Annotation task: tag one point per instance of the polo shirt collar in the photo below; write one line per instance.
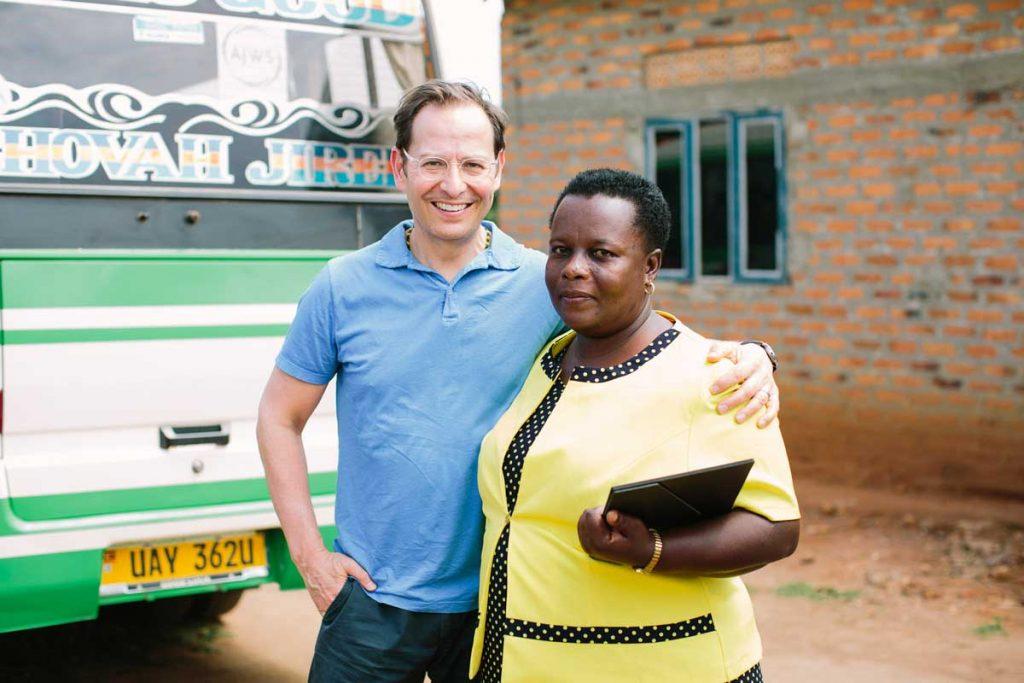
(503, 254)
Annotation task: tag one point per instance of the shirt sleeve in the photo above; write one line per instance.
(310, 350)
(716, 439)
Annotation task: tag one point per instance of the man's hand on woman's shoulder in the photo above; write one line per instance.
(753, 372)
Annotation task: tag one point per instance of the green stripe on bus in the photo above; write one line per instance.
(141, 333)
(156, 282)
(72, 505)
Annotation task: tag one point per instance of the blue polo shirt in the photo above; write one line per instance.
(425, 368)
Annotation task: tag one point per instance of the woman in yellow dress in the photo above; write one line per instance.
(568, 594)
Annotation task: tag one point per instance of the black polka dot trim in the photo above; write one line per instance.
(494, 626)
(610, 635)
(551, 364)
(512, 465)
(752, 675)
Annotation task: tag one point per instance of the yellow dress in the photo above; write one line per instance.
(549, 612)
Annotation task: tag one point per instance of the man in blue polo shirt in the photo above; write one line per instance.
(430, 332)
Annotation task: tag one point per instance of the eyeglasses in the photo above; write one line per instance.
(435, 168)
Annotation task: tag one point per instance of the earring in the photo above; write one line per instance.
(649, 287)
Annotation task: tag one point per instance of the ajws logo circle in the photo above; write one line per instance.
(251, 57)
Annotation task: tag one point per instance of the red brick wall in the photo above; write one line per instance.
(901, 331)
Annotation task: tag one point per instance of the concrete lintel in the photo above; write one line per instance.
(871, 83)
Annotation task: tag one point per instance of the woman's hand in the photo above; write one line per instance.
(616, 538)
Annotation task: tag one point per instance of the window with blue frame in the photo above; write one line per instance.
(724, 179)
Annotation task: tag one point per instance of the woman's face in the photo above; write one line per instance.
(598, 264)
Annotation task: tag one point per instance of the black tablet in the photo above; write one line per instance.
(680, 499)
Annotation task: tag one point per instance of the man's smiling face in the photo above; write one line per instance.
(449, 208)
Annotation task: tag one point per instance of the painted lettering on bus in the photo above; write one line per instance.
(28, 152)
(384, 13)
(301, 163)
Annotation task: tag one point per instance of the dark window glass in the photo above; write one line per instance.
(714, 198)
(762, 195)
(377, 219)
(668, 175)
(51, 222)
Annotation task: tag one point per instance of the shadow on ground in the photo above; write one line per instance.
(140, 641)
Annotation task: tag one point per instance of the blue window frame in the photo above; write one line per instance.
(724, 179)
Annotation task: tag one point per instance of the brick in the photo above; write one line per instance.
(919, 116)
(861, 208)
(921, 152)
(983, 26)
(863, 40)
(921, 51)
(842, 155)
(959, 189)
(881, 153)
(904, 134)
(958, 48)
(982, 351)
(942, 30)
(943, 314)
(903, 36)
(944, 170)
(1006, 224)
(941, 349)
(984, 206)
(989, 243)
(978, 315)
(884, 260)
(1002, 262)
(1002, 187)
(844, 121)
(844, 59)
(986, 130)
(988, 168)
(880, 190)
(1009, 336)
(1002, 43)
(937, 243)
(999, 149)
(939, 207)
(881, 55)
(870, 312)
(961, 11)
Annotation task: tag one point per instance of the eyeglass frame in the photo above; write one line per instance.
(492, 164)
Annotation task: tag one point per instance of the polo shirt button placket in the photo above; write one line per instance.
(450, 310)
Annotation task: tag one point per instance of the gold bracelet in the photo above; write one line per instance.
(653, 562)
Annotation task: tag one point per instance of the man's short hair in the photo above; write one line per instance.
(652, 217)
(443, 94)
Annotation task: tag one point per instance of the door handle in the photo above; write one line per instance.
(189, 435)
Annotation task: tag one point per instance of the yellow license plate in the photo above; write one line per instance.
(158, 566)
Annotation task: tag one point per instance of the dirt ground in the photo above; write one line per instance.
(884, 587)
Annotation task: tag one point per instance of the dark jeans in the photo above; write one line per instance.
(363, 640)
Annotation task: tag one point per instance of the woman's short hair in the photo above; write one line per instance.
(652, 216)
(444, 93)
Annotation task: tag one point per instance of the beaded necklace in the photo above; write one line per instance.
(408, 239)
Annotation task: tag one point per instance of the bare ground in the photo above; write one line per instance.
(885, 587)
